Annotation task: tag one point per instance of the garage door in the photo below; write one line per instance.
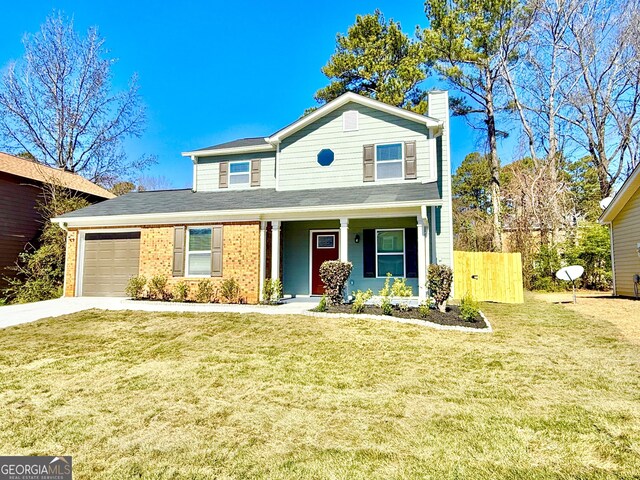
(110, 260)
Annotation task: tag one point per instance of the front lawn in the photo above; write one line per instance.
(135, 395)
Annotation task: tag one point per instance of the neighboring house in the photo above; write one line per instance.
(356, 180)
(623, 217)
(21, 186)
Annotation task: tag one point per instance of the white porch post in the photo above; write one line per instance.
(344, 239)
(263, 255)
(275, 249)
(422, 258)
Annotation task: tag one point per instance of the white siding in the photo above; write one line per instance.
(626, 236)
(299, 168)
(209, 167)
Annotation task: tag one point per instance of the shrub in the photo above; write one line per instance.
(439, 283)
(469, 308)
(135, 287)
(204, 291)
(272, 291)
(322, 305)
(403, 306)
(424, 310)
(400, 288)
(230, 290)
(359, 300)
(385, 305)
(180, 291)
(158, 287)
(546, 263)
(334, 275)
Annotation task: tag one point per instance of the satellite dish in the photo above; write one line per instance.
(571, 273)
(604, 203)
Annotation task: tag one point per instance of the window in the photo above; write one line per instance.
(199, 252)
(326, 241)
(239, 174)
(350, 121)
(390, 252)
(389, 161)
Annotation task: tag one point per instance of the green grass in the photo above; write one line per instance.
(135, 395)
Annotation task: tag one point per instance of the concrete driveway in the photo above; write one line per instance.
(11, 315)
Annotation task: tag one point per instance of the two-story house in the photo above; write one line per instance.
(356, 180)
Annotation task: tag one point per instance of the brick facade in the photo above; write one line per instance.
(240, 251)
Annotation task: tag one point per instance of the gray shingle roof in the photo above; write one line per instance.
(242, 142)
(180, 201)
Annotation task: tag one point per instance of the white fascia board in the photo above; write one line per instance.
(343, 100)
(229, 151)
(319, 212)
(621, 198)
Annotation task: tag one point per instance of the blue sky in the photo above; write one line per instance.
(210, 72)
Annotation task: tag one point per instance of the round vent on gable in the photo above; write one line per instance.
(325, 157)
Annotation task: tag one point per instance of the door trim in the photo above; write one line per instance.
(311, 232)
(80, 251)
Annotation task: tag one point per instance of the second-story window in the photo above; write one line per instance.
(389, 161)
(239, 174)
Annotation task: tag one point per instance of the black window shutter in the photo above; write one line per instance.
(369, 252)
(411, 252)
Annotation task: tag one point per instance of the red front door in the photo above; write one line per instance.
(324, 246)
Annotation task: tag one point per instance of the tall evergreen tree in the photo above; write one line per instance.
(377, 59)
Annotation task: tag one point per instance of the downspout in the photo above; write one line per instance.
(194, 187)
(613, 258)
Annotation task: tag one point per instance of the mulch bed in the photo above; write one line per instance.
(450, 317)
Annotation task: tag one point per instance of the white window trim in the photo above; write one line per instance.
(375, 161)
(404, 252)
(229, 174)
(188, 252)
(332, 235)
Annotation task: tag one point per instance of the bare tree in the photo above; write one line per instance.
(603, 102)
(56, 104)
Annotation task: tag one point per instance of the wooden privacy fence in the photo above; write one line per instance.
(488, 276)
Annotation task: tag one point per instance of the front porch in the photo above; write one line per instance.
(292, 250)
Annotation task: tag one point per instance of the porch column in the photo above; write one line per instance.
(263, 255)
(422, 258)
(275, 249)
(344, 239)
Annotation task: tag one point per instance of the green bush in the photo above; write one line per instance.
(158, 287)
(204, 291)
(322, 305)
(272, 291)
(439, 283)
(135, 287)
(400, 288)
(334, 275)
(469, 308)
(230, 290)
(424, 310)
(359, 300)
(546, 262)
(180, 291)
(591, 249)
(385, 305)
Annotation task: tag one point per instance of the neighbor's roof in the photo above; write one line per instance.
(629, 187)
(22, 167)
(256, 201)
(242, 142)
(264, 144)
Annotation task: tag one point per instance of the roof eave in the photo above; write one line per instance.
(230, 215)
(429, 122)
(621, 198)
(229, 151)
